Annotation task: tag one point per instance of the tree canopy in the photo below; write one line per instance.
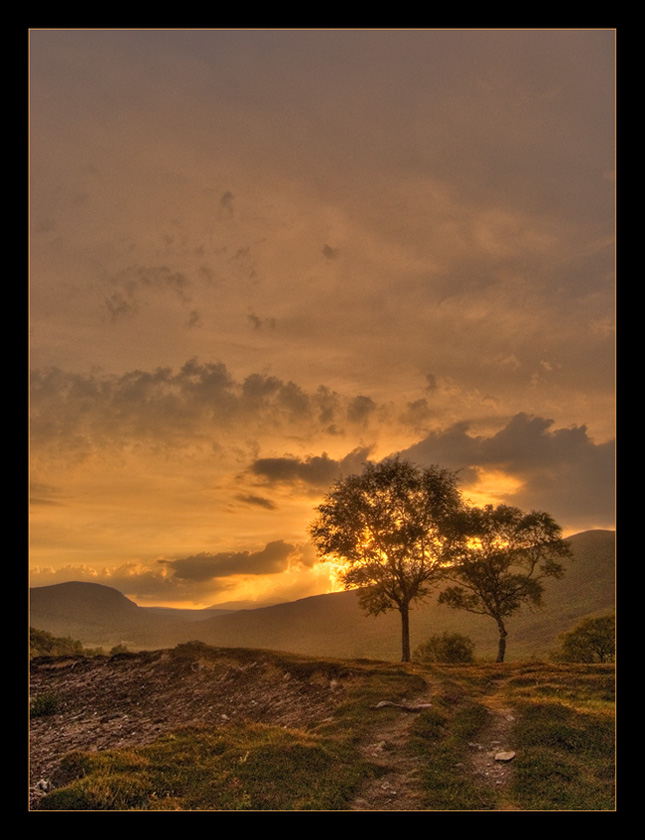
(593, 640)
(392, 530)
(503, 562)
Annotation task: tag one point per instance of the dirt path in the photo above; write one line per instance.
(132, 699)
(491, 759)
(400, 788)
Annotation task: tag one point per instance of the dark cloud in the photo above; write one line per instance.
(261, 323)
(194, 319)
(272, 560)
(76, 411)
(226, 203)
(360, 409)
(330, 253)
(416, 414)
(258, 501)
(134, 282)
(318, 471)
(561, 468)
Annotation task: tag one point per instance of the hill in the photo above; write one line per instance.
(95, 614)
(334, 625)
(202, 728)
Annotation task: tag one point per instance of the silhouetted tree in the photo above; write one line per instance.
(593, 640)
(504, 560)
(391, 530)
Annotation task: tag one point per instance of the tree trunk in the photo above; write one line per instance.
(405, 632)
(501, 644)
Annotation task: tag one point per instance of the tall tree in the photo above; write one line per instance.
(391, 529)
(503, 563)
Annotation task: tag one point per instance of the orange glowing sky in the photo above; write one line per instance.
(260, 257)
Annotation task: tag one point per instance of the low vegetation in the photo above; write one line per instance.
(565, 737)
(44, 704)
(42, 643)
(593, 640)
(562, 734)
(446, 647)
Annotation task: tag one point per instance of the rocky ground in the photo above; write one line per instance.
(132, 699)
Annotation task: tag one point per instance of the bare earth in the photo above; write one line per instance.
(132, 699)
(399, 789)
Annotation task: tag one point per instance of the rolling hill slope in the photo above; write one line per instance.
(334, 625)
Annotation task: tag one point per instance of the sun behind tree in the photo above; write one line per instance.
(391, 528)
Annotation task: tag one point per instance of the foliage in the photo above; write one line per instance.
(593, 640)
(42, 643)
(503, 563)
(44, 704)
(391, 530)
(447, 647)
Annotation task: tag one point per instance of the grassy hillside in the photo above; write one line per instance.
(199, 728)
(334, 625)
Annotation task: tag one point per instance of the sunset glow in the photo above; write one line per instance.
(259, 258)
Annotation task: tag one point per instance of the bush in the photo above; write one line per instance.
(448, 647)
(593, 640)
(42, 643)
(44, 704)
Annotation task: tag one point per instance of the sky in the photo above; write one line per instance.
(260, 258)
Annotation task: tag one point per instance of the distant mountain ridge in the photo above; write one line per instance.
(330, 625)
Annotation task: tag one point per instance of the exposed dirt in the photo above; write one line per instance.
(132, 699)
(490, 758)
(398, 789)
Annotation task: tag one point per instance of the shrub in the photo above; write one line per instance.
(593, 640)
(44, 704)
(448, 647)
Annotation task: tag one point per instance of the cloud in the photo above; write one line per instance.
(136, 581)
(196, 406)
(330, 253)
(205, 567)
(133, 282)
(360, 408)
(259, 323)
(417, 414)
(560, 468)
(44, 494)
(258, 501)
(227, 204)
(292, 571)
(316, 470)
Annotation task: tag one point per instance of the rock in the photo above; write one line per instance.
(505, 755)
(416, 708)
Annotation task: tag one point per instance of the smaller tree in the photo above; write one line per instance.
(506, 556)
(448, 647)
(593, 640)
